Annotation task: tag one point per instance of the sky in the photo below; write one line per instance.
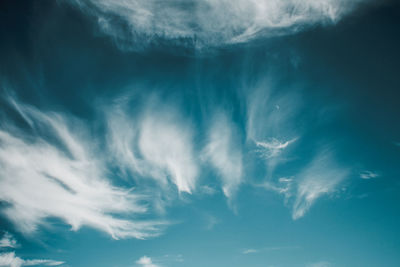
(171, 133)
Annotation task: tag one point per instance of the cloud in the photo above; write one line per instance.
(211, 221)
(9, 259)
(270, 128)
(204, 23)
(173, 258)
(8, 241)
(146, 262)
(284, 186)
(368, 175)
(224, 154)
(167, 144)
(250, 251)
(273, 147)
(52, 170)
(266, 249)
(319, 264)
(207, 190)
(320, 177)
(154, 144)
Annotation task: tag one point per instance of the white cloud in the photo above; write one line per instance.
(270, 128)
(273, 147)
(167, 144)
(368, 175)
(264, 120)
(201, 23)
(8, 241)
(154, 144)
(320, 177)
(55, 172)
(9, 259)
(224, 154)
(146, 262)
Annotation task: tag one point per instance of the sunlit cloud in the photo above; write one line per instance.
(224, 154)
(137, 23)
(9, 259)
(154, 144)
(52, 171)
(273, 147)
(146, 262)
(167, 144)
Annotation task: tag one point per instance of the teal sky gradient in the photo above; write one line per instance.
(195, 141)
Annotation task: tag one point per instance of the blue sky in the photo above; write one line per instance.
(199, 133)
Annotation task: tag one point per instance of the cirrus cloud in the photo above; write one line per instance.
(204, 23)
(51, 170)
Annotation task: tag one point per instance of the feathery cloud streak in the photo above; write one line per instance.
(156, 143)
(9, 259)
(224, 154)
(273, 147)
(51, 171)
(204, 23)
(320, 177)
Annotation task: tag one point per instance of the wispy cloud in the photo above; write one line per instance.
(154, 144)
(8, 241)
(52, 171)
(319, 264)
(266, 124)
(167, 144)
(207, 190)
(224, 154)
(146, 262)
(207, 23)
(368, 175)
(284, 186)
(211, 221)
(250, 251)
(270, 128)
(320, 177)
(273, 147)
(267, 249)
(9, 259)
